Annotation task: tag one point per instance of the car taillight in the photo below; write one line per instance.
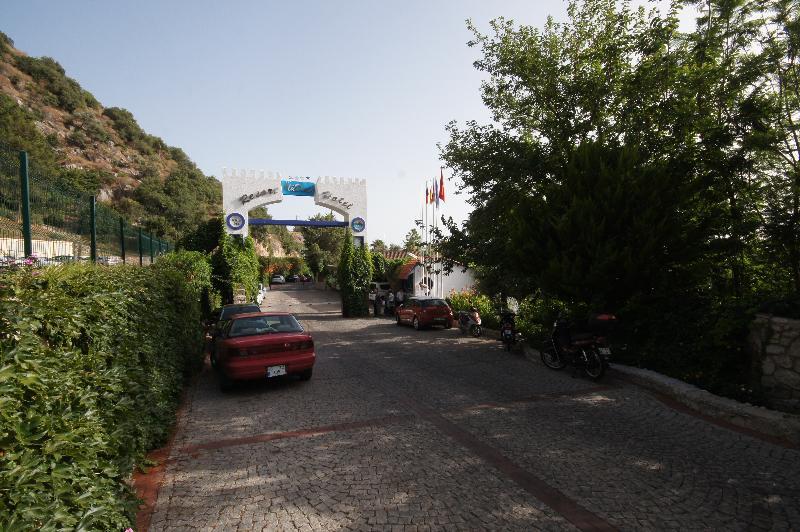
(308, 344)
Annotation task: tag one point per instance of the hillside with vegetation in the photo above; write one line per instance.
(82, 145)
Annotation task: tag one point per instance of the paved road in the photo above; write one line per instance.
(427, 430)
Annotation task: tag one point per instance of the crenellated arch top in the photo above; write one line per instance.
(243, 190)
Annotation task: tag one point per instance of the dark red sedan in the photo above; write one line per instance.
(424, 312)
(263, 345)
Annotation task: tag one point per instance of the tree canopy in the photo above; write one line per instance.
(629, 165)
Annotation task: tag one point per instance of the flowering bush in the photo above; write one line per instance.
(471, 298)
(534, 318)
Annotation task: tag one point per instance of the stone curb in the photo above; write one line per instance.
(755, 418)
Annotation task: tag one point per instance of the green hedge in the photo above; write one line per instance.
(353, 275)
(92, 362)
(235, 263)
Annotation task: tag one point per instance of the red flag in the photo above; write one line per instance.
(441, 185)
(427, 194)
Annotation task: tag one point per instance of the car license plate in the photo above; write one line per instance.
(604, 350)
(275, 371)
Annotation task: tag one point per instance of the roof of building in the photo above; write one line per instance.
(405, 270)
(401, 254)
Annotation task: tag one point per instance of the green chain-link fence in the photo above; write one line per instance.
(56, 225)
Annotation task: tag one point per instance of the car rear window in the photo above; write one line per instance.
(263, 325)
(227, 312)
(433, 303)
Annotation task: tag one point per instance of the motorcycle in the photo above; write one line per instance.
(470, 321)
(584, 348)
(508, 332)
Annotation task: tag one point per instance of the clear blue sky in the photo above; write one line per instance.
(353, 88)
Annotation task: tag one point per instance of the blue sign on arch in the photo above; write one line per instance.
(297, 188)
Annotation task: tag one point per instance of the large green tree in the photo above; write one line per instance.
(322, 245)
(632, 166)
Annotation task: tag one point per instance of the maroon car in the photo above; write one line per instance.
(262, 345)
(424, 312)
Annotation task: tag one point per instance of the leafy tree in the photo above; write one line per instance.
(260, 232)
(235, 262)
(781, 52)
(378, 267)
(590, 240)
(344, 275)
(378, 246)
(632, 166)
(322, 245)
(412, 242)
(354, 274)
(205, 237)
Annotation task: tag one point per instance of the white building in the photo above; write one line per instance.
(439, 285)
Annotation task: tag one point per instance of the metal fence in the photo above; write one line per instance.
(44, 223)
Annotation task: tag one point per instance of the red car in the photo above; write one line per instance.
(261, 345)
(424, 312)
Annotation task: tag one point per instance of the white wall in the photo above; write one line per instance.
(15, 247)
(444, 284)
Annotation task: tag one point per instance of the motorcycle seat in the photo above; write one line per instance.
(581, 339)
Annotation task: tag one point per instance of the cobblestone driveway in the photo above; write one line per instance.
(427, 430)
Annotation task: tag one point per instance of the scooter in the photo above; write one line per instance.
(470, 321)
(508, 333)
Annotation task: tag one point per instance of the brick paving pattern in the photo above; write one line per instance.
(429, 430)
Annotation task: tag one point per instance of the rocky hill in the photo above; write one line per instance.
(99, 150)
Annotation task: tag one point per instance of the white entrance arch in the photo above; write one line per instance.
(243, 190)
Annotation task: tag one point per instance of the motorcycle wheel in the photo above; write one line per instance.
(476, 331)
(551, 358)
(595, 367)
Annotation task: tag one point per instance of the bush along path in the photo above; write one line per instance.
(92, 363)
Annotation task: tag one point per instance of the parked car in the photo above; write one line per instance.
(277, 279)
(424, 312)
(220, 318)
(263, 345)
(292, 279)
(380, 289)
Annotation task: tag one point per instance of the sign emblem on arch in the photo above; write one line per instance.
(244, 190)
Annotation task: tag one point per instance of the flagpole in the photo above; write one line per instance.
(424, 233)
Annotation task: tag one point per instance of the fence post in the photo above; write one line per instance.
(93, 225)
(122, 238)
(152, 256)
(141, 248)
(25, 198)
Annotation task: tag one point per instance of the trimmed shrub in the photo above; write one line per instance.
(235, 263)
(92, 363)
(353, 275)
